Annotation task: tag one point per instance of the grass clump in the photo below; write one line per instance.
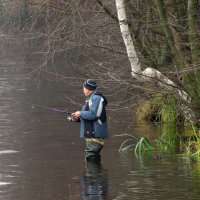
(143, 146)
(126, 146)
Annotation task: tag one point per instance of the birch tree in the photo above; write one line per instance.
(150, 73)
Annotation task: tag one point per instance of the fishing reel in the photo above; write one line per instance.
(70, 119)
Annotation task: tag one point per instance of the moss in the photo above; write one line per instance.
(148, 109)
(161, 108)
(168, 110)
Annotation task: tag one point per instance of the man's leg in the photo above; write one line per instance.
(92, 151)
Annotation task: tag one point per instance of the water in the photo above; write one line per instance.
(42, 157)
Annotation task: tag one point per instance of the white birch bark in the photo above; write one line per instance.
(149, 73)
(133, 58)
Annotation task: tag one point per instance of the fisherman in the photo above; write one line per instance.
(93, 121)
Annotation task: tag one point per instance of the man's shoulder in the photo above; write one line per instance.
(97, 96)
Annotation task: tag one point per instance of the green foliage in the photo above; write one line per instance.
(163, 110)
(191, 147)
(167, 142)
(168, 110)
(143, 146)
(124, 147)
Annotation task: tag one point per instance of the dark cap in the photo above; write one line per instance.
(90, 84)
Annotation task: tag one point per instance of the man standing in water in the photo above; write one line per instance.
(93, 120)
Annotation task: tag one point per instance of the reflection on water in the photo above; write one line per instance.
(94, 182)
(42, 157)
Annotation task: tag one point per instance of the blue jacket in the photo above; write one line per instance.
(93, 117)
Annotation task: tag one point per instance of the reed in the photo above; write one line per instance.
(126, 146)
(168, 141)
(143, 146)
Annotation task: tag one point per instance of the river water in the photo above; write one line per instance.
(42, 157)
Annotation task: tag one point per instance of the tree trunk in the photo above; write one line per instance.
(133, 58)
(194, 45)
(24, 13)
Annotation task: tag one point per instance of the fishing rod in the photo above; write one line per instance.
(49, 108)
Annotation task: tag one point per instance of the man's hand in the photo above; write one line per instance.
(76, 115)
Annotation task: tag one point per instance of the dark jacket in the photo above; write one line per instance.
(93, 117)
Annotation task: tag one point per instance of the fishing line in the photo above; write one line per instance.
(46, 107)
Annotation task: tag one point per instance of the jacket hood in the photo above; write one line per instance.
(100, 94)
